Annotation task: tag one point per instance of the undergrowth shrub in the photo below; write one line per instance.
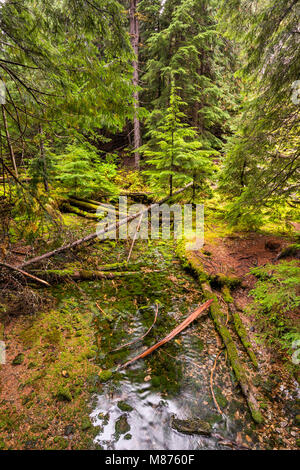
(276, 302)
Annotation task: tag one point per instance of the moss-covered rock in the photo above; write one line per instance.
(191, 426)
(124, 406)
(121, 425)
(63, 394)
(105, 375)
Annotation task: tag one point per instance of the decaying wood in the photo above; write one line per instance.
(171, 335)
(134, 238)
(239, 370)
(242, 334)
(30, 276)
(92, 206)
(94, 236)
(141, 337)
(75, 210)
(82, 274)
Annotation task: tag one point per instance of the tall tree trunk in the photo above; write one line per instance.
(134, 35)
(11, 150)
(43, 158)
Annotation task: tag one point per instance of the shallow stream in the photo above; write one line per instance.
(134, 409)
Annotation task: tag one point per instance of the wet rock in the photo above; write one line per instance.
(124, 406)
(191, 426)
(105, 375)
(122, 425)
(69, 430)
(19, 359)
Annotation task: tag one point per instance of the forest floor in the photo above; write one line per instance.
(51, 372)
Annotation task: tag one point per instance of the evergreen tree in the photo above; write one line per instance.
(174, 150)
(262, 166)
(187, 46)
(81, 172)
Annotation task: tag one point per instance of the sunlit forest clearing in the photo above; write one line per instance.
(119, 330)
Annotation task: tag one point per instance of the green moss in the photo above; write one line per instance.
(86, 424)
(2, 444)
(242, 333)
(220, 280)
(124, 406)
(63, 394)
(226, 295)
(105, 375)
(155, 381)
(18, 360)
(221, 400)
(61, 442)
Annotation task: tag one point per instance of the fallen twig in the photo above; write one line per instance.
(34, 278)
(212, 383)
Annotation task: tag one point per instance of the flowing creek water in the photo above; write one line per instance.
(134, 409)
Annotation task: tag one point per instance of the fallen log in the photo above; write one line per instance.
(171, 335)
(93, 236)
(239, 370)
(70, 208)
(191, 262)
(30, 276)
(82, 274)
(242, 333)
(91, 205)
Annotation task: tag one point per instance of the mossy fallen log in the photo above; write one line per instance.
(57, 275)
(192, 262)
(93, 206)
(239, 370)
(91, 237)
(242, 334)
(290, 251)
(75, 210)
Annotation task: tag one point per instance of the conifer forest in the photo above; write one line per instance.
(149, 228)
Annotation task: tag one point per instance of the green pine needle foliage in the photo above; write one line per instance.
(82, 173)
(174, 151)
